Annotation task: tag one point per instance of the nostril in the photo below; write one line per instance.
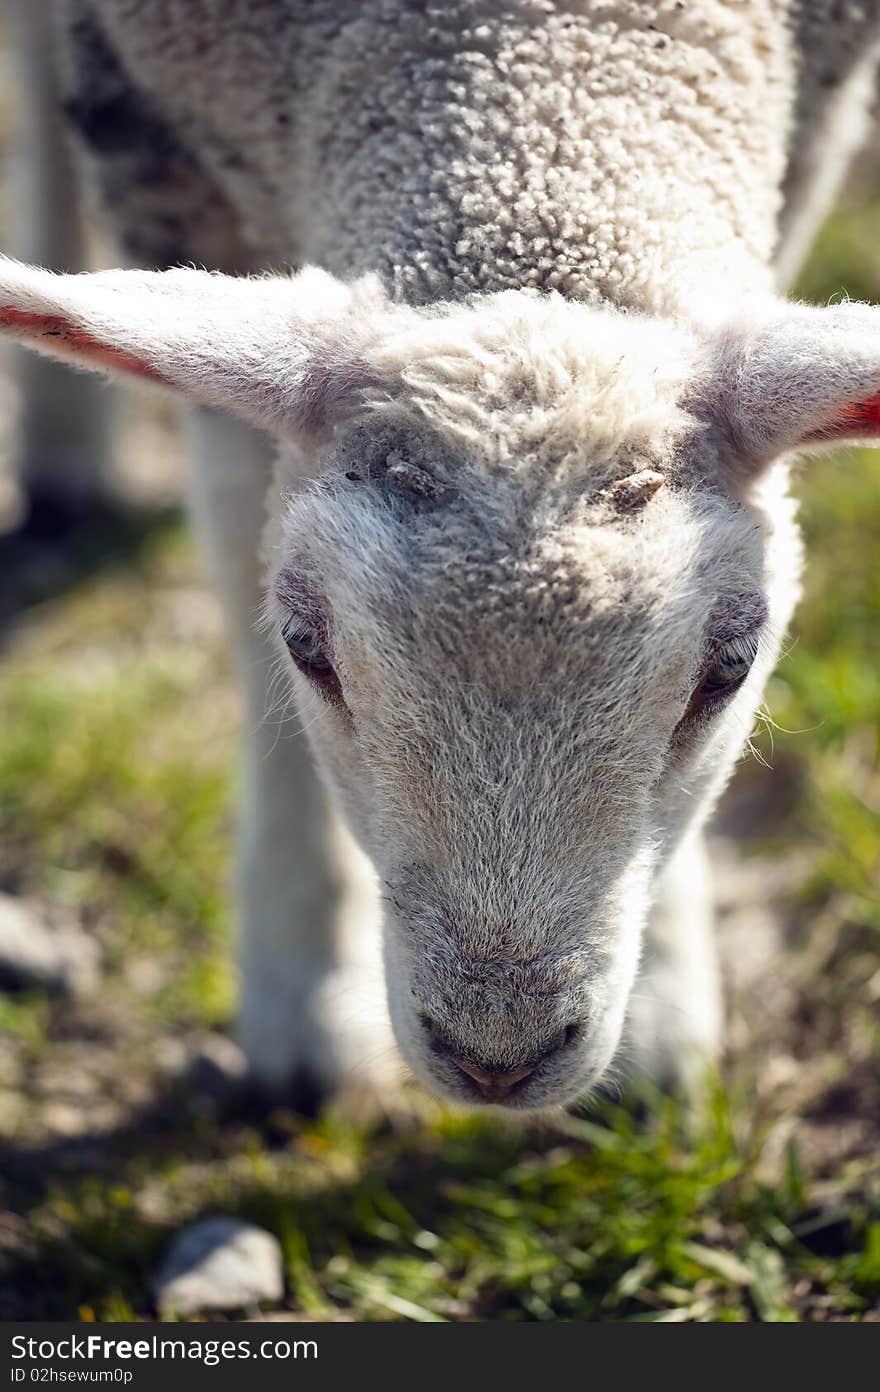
(494, 1084)
(434, 1033)
(436, 1037)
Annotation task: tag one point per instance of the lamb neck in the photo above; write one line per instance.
(633, 159)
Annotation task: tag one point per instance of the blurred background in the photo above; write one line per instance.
(118, 733)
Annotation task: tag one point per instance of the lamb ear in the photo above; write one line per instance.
(804, 380)
(248, 345)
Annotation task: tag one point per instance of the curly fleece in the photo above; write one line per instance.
(622, 150)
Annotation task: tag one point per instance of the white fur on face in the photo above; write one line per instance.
(534, 522)
(515, 657)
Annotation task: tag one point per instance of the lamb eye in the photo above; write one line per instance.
(725, 674)
(305, 644)
(307, 650)
(732, 644)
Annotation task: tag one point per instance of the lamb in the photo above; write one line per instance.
(521, 429)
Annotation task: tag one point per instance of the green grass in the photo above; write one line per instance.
(117, 736)
(114, 778)
(828, 687)
(460, 1219)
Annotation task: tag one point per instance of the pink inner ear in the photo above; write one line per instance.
(76, 343)
(858, 420)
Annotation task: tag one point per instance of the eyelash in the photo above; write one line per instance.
(706, 695)
(301, 640)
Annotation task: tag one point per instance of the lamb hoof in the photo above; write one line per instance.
(306, 1094)
(220, 1082)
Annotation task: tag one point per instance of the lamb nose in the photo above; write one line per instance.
(494, 1086)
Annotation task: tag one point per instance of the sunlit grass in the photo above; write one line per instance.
(115, 760)
(614, 1219)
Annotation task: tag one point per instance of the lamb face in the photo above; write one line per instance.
(531, 601)
(524, 669)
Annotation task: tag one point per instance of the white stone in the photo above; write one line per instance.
(219, 1264)
(36, 951)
